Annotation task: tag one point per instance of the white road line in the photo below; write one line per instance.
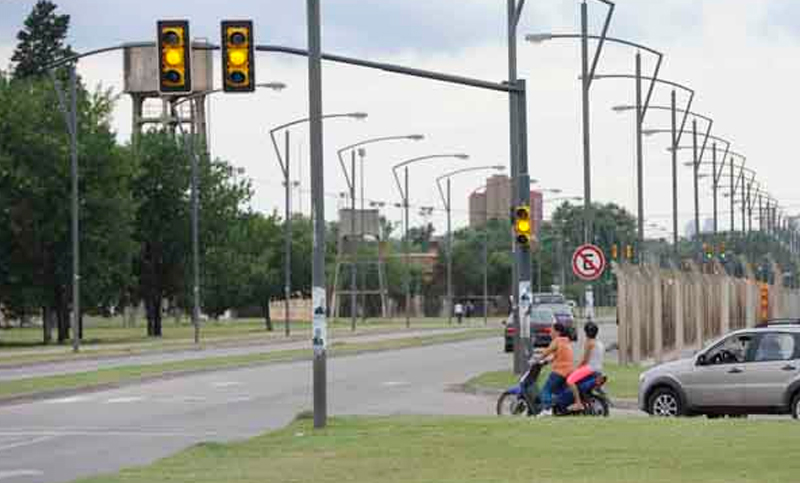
(30, 442)
(125, 400)
(224, 384)
(69, 400)
(395, 384)
(239, 399)
(4, 475)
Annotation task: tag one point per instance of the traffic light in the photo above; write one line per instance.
(708, 252)
(614, 251)
(723, 255)
(238, 56)
(629, 252)
(174, 57)
(522, 225)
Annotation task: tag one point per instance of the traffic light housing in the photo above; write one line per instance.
(238, 56)
(629, 252)
(614, 251)
(523, 228)
(708, 252)
(174, 57)
(723, 255)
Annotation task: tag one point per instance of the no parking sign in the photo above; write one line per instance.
(588, 263)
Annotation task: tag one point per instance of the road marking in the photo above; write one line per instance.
(125, 400)
(4, 475)
(100, 432)
(224, 384)
(240, 399)
(69, 400)
(395, 384)
(26, 443)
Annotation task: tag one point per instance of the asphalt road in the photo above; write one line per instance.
(63, 439)
(93, 364)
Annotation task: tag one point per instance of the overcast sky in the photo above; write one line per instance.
(739, 55)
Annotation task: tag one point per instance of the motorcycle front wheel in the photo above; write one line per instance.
(596, 406)
(511, 405)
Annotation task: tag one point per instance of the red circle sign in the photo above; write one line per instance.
(588, 263)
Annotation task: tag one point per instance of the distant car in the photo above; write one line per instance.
(548, 299)
(751, 371)
(541, 324)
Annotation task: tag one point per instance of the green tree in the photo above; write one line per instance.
(41, 41)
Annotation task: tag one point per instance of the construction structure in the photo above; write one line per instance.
(494, 203)
(150, 107)
(360, 272)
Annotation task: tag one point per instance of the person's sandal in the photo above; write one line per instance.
(576, 408)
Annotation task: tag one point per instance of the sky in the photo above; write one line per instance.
(738, 55)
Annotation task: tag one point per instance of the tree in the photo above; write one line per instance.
(41, 41)
(34, 192)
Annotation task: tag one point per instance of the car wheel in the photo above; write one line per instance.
(796, 406)
(665, 403)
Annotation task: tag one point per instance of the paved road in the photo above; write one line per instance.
(86, 365)
(62, 439)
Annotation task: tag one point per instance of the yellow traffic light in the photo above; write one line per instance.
(238, 56)
(629, 252)
(174, 57)
(614, 251)
(522, 225)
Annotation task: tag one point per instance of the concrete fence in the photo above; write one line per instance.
(663, 313)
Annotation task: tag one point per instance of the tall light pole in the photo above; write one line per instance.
(404, 195)
(285, 165)
(351, 180)
(448, 206)
(195, 195)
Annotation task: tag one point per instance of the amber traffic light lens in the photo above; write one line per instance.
(237, 57)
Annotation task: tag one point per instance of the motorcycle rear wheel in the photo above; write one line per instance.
(596, 406)
(510, 404)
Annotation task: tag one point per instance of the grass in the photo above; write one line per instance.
(623, 381)
(132, 374)
(473, 450)
(106, 337)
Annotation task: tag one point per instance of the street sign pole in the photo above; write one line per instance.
(319, 305)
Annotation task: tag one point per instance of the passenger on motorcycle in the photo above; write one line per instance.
(591, 364)
(561, 352)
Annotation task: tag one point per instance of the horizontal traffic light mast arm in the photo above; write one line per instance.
(397, 69)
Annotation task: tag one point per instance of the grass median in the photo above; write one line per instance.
(623, 381)
(472, 450)
(22, 388)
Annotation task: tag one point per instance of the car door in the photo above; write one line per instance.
(773, 367)
(718, 375)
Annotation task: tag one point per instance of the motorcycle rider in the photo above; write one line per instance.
(591, 363)
(561, 351)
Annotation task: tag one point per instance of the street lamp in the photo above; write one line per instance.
(195, 197)
(404, 195)
(351, 184)
(287, 223)
(446, 199)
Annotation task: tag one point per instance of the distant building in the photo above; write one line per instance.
(495, 203)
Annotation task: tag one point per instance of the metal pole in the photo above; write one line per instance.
(287, 239)
(733, 198)
(715, 186)
(485, 275)
(640, 155)
(696, 172)
(523, 197)
(587, 166)
(449, 259)
(675, 237)
(353, 247)
(361, 153)
(195, 236)
(318, 210)
(408, 256)
(76, 249)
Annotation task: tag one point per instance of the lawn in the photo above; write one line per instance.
(467, 450)
(623, 381)
(132, 374)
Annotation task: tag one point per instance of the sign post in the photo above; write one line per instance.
(588, 264)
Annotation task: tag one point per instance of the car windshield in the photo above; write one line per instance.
(542, 317)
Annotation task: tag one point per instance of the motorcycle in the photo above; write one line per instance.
(516, 401)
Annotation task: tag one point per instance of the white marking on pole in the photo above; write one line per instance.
(4, 475)
(26, 443)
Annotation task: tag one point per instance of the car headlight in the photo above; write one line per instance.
(642, 377)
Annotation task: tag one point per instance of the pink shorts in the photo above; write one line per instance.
(579, 374)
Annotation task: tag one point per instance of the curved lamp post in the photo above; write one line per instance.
(287, 223)
(448, 206)
(195, 197)
(404, 195)
(350, 179)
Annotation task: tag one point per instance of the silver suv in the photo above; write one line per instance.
(751, 371)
